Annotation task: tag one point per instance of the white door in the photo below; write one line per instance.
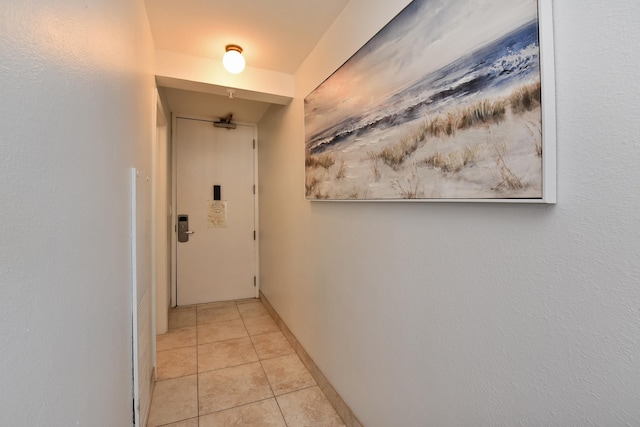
(218, 263)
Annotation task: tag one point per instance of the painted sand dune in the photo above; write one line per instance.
(470, 128)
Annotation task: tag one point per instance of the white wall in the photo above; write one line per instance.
(76, 106)
(163, 227)
(474, 314)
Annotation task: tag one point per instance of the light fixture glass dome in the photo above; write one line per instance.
(233, 60)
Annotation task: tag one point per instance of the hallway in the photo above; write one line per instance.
(227, 364)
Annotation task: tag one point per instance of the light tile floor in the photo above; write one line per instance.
(227, 364)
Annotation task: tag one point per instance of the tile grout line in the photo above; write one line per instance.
(214, 342)
(280, 409)
(300, 389)
(234, 407)
(249, 336)
(175, 378)
(339, 405)
(265, 373)
(188, 375)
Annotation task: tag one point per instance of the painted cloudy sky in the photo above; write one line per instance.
(428, 35)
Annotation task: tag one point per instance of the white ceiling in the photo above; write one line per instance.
(275, 35)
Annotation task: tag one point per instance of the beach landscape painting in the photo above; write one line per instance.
(444, 103)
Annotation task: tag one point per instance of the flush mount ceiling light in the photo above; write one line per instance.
(233, 60)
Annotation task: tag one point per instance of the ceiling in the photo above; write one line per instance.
(275, 35)
(199, 104)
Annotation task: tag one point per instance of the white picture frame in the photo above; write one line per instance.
(345, 144)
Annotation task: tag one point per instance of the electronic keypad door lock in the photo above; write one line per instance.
(183, 228)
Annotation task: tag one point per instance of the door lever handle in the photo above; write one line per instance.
(189, 232)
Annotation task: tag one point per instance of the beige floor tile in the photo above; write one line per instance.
(260, 325)
(221, 331)
(231, 387)
(271, 345)
(174, 400)
(308, 407)
(193, 422)
(247, 301)
(182, 319)
(183, 308)
(216, 304)
(252, 309)
(218, 314)
(176, 338)
(260, 414)
(224, 354)
(287, 374)
(176, 363)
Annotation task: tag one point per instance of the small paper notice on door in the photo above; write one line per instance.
(217, 217)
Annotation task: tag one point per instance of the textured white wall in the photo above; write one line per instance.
(474, 314)
(163, 222)
(76, 103)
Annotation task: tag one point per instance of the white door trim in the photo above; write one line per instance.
(160, 322)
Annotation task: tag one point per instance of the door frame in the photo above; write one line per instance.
(174, 213)
(161, 255)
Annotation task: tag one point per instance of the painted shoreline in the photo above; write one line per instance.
(499, 157)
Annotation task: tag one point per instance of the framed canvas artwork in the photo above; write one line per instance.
(453, 100)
